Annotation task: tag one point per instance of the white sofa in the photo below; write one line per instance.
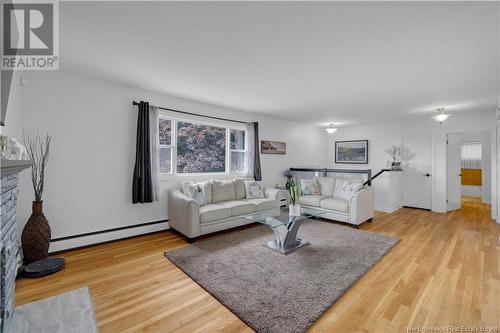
(225, 208)
(356, 210)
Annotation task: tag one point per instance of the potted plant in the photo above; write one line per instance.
(294, 198)
(36, 234)
(395, 153)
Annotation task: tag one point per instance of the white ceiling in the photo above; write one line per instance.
(350, 63)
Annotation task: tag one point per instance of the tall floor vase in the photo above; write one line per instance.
(36, 235)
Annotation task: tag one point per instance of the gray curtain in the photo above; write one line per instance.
(257, 172)
(253, 154)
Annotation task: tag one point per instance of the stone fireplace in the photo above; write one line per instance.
(8, 238)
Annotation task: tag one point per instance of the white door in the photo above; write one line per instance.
(417, 171)
(453, 172)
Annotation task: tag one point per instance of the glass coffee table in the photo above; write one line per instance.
(285, 228)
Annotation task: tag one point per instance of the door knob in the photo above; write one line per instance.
(427, 175)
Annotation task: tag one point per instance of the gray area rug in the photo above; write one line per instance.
(69, 312)
(277, 293)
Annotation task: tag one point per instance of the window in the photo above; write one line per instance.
(165, 151)
(188, 147)
(472, 155)
(237, 150)
(200, 148)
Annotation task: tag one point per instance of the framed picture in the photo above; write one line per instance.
(351, 152)
(272, 147)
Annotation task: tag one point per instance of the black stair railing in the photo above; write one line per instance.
(381, 172)
(325, 171)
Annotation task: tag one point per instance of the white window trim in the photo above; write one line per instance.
(227, 125)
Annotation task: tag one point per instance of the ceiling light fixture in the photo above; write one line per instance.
(441, 116)
(331, 129)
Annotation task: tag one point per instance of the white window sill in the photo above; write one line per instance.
(201, 176)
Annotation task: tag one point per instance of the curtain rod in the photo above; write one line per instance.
(195, 114)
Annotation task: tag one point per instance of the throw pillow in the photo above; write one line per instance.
(239, 185)
(346, 188)
(206, 185)
(309, 187)
(253, 189)
(197, 192)
(223, 190)
(326, 185)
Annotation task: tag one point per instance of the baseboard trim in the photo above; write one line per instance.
(388, 210)
(105, 242)
(427, 209)
(104, 236)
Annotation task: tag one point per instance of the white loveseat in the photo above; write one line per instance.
(226, 204)
(354, 210)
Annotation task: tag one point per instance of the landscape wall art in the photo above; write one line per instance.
(351, 152)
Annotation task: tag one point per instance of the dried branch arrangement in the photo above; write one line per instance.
(38, 152)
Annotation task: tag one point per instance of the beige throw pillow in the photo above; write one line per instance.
(239, 186)
(223, 190)
(326, 185)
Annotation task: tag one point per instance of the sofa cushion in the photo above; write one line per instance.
(223, 190)
(263, 204)
(239, 187)
(311, 200)
(326, 185)
(211, 212)
(207, 189)
(337, 204)
(346, 188)
(239, 207)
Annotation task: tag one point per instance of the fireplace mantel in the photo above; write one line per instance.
(10, 167)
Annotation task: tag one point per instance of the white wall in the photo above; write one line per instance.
(381, 136)
(12, 126)
(93, 125)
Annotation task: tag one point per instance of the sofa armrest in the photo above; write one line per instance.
(362, 206)
(271, 193)
(184, 214)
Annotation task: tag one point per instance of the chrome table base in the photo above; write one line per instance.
(286, 239)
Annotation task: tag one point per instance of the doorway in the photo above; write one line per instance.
(468, 164)
(417, 171)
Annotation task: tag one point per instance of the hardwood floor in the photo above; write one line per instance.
(444, 271)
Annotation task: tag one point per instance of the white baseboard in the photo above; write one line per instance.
(388, 210)
(85, 240)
